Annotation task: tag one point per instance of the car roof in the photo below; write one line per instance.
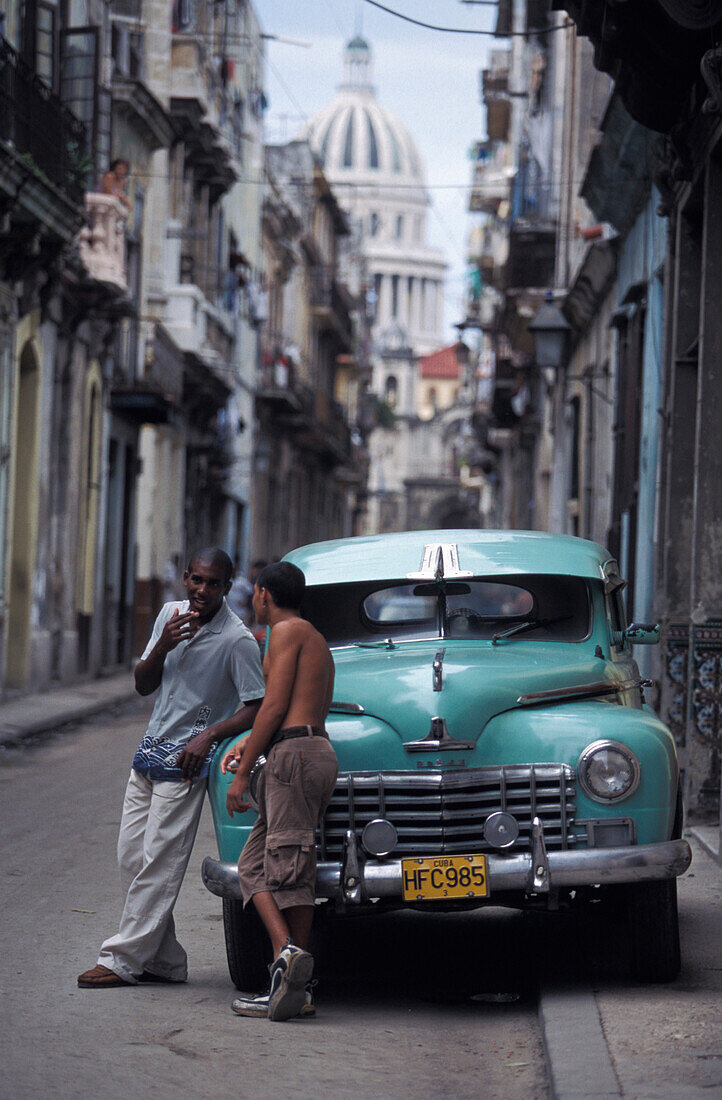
(478, 552)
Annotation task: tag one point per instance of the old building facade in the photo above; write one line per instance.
(127, 335)
(616, 433)
(308, 466)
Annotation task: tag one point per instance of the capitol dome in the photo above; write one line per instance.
(374, 167)
(356, 135)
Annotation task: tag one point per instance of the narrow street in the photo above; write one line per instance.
(410, 1005)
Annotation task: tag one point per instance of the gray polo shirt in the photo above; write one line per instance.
(205, 680)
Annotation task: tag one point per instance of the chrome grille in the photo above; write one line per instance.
(439, 813)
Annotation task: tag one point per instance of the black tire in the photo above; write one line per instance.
(678, 825)
(654, 930)
(248, 948)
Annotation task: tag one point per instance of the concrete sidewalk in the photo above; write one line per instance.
(44, 711)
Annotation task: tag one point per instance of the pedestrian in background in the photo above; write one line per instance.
(207, 666)
(240, 595)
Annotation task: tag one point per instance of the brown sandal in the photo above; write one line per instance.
(100, 978)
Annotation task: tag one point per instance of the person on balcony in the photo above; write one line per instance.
(114, 181)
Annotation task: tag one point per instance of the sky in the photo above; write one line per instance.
(428, 79)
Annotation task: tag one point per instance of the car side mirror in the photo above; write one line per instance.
(642, 633)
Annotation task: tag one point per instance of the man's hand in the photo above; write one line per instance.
(177, 629)
(190, 760)
(233, 757)
(234, 798)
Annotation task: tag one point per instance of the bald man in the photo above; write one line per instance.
(208, 668)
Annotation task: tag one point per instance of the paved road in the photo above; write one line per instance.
(376, 1034)
(408, 1007)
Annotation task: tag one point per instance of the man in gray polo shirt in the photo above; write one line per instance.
(207, 666)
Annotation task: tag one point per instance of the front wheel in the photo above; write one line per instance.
(248, 948)
(651, 910)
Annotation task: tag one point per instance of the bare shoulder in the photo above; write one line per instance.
(298, 632)
(291, 631)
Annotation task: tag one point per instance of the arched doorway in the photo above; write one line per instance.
(89, 510)
(24, 518)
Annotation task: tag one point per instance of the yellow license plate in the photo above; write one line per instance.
(437, 878)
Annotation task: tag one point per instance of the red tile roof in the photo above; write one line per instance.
(441, 364)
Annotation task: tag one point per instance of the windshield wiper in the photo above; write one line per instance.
(527, 624)
(388, 643)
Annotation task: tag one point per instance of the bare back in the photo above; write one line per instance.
(301, 655)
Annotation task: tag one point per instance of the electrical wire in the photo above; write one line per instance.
(344, 185)
(286, 89)
(467, 30)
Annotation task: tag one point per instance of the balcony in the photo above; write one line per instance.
(491, 183)
(102, 240)
(333, 430)
(532, 254)
(331, 304)
(43, 156)
(315, 420)
(532, 237)
(201, 334)
(189, 90)
(156, 396)
(276, 390)
(195, 112)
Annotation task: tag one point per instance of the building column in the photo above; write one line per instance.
(674, 563)
(648, 462)
(704, 724)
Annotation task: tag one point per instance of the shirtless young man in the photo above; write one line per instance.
(277, 868)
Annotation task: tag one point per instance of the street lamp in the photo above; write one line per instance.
(462, 352)
(550, 330)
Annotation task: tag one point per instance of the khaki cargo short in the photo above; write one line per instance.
(293, 792)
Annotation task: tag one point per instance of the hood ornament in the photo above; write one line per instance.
(438, 739)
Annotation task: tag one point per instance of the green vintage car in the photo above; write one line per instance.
(494, 744)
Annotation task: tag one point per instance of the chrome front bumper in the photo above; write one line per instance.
(355, 881)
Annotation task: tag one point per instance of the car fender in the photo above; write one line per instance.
(559, 733)
(362, 743)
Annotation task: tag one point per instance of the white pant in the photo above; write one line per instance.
(157, 831)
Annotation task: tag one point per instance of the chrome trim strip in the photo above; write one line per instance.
(438, 670)
(450, 561)
(539, 876)
(578, 691)
(382, 879)
(439, 559)
(351, 877)
(346, 708)
(438, 739)
(430, 566)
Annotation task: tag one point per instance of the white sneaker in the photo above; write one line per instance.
(290, 974)
(256, 1004)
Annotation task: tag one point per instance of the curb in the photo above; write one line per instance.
(53, 710)
(708, 838)
(577, 1056)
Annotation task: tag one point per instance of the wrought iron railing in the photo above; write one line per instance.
(326, 294)
(45, 135)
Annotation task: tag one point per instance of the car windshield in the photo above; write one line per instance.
(478, 608)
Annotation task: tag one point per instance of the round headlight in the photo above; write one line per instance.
(608, 771)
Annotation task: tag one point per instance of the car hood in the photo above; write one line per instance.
(480, 680)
